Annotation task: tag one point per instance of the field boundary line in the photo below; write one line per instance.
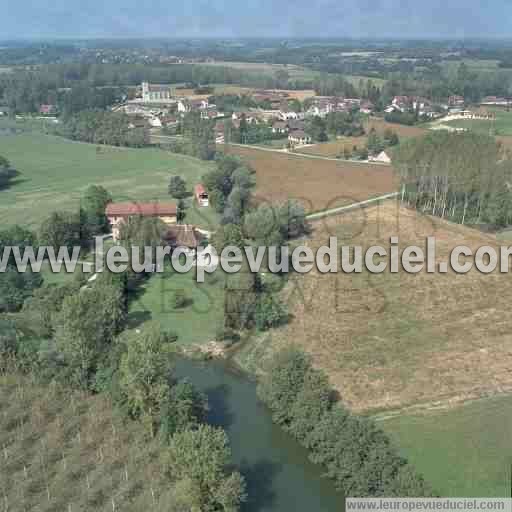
(442, 404)
(350, 207)
(305, 155)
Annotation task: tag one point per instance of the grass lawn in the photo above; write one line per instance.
(55, 172)
(502, 125)
(57, 278)
(295, 72)
(197, 322)
(462, 452)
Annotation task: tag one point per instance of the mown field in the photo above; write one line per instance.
(196, 322)
(300, 94)
(294, 71)
(462, 452)
(355, 80)
(502, 126)
(403, 131)
(393, 340)
(318, 184)
(55, 172)
(70, 452)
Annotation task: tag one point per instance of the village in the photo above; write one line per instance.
(154, 389)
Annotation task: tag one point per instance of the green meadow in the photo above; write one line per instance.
(55, 172)
(196, 322)
(466, 451)
(501, 126)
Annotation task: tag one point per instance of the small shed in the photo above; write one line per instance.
(201, 195)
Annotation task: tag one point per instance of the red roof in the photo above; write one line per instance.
(145, 209)
(183, 235)
(199, 189)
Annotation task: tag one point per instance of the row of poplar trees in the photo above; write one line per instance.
(463, 177)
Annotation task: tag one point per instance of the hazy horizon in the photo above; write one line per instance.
(384, 19)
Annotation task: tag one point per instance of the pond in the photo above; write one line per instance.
(279, 475)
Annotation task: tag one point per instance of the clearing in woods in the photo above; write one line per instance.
(388, 340)
(318, 184)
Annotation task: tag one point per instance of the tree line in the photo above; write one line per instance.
(250, 300)
(198, 137)
(357, 455)
(76, 334)
(80, 86)
(7, 173)
(99, 127)
(462, 177)
(84, 85)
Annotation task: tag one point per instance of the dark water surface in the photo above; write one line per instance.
(279, 475)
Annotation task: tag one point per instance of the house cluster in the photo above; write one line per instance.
(403, 104)
(158, 107)
(295, 129)
(277, 108)
(456, 101)
(321, 106)
(272, 98)
(496, 101)
(299, 138)
(145, 116)
(203, 106)
(481, 114)
(175, 235)
(48, 110)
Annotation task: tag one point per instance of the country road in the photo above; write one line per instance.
(353, 206)
(311, 157)
(167, 138)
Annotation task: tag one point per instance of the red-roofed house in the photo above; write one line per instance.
(299, 137)
(48, 110)
(183, 235)
(201, 195)
(117, 213)
(456, 101)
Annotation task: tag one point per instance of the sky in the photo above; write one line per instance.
(397, 19)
